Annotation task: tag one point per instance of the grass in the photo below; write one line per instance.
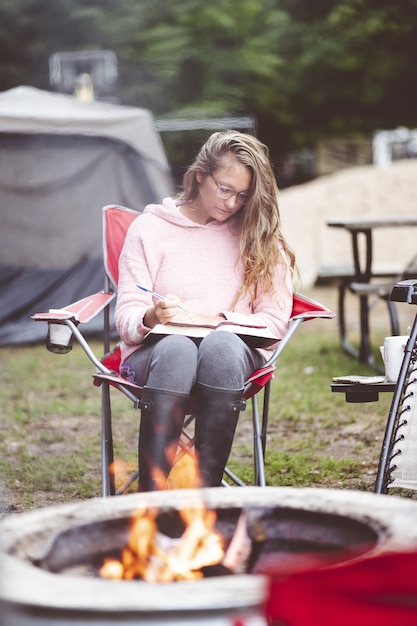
(315, 437)
(50, 423)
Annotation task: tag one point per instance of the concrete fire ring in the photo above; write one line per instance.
(28, 590)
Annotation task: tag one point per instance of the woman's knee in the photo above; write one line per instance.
(221, 341)
(173, 364)
(222, 360)
(175, 348)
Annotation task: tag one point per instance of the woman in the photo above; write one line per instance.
(214, 253)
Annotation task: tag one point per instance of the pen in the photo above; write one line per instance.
(158, 296)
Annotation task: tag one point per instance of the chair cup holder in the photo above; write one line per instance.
(59, 338)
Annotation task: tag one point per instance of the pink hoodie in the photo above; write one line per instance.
(168, 253)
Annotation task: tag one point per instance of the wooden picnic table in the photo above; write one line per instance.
(362, 280)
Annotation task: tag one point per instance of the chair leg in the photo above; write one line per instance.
(258, 445)
(107, 474)
(265, 415)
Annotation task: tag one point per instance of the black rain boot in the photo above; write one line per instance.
(162, 418)
(217, 415)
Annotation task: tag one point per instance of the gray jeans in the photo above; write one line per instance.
(177, 363)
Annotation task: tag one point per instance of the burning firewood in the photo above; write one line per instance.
(154, 557)
(240, 547)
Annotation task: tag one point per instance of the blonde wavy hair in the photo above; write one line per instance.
(262, 244)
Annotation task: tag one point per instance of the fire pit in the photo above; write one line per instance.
(51, 557)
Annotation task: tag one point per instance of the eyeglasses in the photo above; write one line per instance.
(225, 193)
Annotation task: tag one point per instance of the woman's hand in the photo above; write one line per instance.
(166, 310)
(169, 310)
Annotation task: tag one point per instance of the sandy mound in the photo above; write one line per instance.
(359, 191)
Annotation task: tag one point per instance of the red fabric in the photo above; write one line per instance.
(258, 379)
(302, 305)
(113, 360)
(373, 591)
(117, 221)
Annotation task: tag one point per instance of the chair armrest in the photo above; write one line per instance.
(405, 291)
(305, 308)
(130, 390)
(258, 380)
(81, 311)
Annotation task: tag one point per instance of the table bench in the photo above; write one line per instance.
(329, 275)
(363, 281)
(379, 286)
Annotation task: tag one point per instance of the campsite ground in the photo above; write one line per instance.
(50, 412)
(49, 431)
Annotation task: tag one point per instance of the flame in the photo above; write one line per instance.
(121, 471)
(154, 557)
(184, 473)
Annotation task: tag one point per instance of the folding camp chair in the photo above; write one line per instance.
(398, 460)
(63, 326)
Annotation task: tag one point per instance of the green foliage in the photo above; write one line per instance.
(305, 70)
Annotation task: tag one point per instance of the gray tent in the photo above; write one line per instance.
(61, 161)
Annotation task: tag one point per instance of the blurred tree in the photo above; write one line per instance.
(32, 30)
(353, 65)
(306, 70)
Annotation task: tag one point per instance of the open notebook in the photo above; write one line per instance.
(253, 336)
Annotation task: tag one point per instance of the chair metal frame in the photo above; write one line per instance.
(403, 291)
(116, 220)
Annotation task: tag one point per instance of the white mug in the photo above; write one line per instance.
(392, 353)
